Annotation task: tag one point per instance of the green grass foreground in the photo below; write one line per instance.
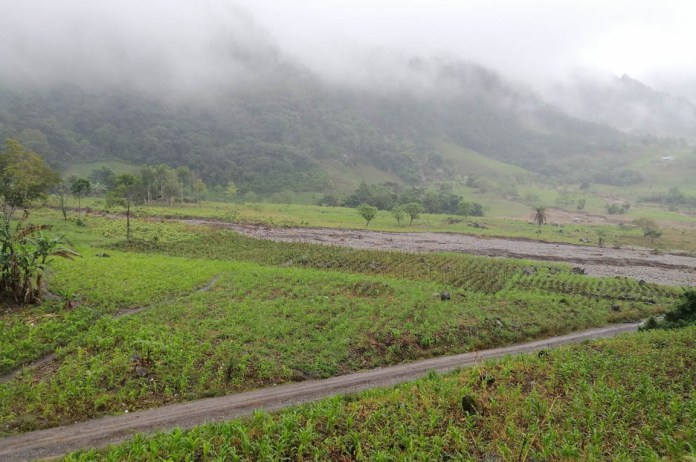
(625, 399)
(277, 313)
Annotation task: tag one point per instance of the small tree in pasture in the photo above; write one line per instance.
(125, 192)
(398, 214)
(413, 210)
(540, 215)
(650, 229)
(368, 212)
(79, 187)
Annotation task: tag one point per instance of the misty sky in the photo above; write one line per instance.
(183, 39)
(531, 39)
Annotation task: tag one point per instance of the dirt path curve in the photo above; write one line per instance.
(632, 262)
(107, 430)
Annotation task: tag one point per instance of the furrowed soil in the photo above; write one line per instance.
(632, 262)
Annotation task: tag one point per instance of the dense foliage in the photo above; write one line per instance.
(683, 314)
(24, 177)
(388, 196)
(25, 252)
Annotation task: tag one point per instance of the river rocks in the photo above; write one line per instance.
(141, 371)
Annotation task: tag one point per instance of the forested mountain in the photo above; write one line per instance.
(279, 130)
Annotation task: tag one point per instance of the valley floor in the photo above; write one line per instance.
(198, 309)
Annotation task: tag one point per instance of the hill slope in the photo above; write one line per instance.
(278, 125)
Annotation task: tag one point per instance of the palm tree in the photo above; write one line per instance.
(539, 217)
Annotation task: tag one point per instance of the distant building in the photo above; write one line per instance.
(667, 158)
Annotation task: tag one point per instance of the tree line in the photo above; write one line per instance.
(157, 183)
(391, 196)
(25, 248)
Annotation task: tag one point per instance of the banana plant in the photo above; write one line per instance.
(25, 254)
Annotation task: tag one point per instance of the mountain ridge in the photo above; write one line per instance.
(274, 128)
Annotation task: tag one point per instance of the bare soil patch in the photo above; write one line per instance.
(632, 262)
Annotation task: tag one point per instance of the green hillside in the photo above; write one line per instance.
(84, 170)
(290, 131)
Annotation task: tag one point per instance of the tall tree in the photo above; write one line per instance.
(24, 176)
(231, 190)
(183, 175)
(148, 176)
(79, 187)
(161, 173)
(62, 190)
(126, 191)
(171, 186)
(199, 188)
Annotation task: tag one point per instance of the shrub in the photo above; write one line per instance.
(24, 255)
(683, 314)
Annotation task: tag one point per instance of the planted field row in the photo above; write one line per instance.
(95, 285)
(618, 288)
(461, 271)
(260, 325)
(629, 398)
(452, 271)
(278, 312)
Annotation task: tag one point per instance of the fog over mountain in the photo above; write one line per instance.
(627, 104)
(214, 42)
(275, 95)
(157, 46)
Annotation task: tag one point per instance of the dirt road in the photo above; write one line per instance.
(101, 432)
(637, 263)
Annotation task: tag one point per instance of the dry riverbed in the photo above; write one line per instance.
(632, 262)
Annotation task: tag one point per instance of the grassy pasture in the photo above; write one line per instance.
(625, 399)
(286, 215)
(294, 215)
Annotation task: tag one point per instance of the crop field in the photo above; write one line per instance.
(455, 271)
(183, 312)
(625, 399)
